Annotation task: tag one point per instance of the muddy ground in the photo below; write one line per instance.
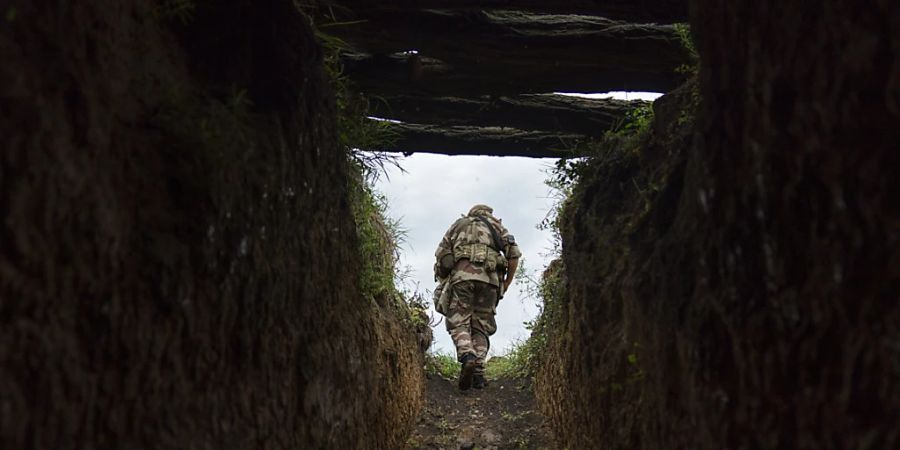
(500, 416)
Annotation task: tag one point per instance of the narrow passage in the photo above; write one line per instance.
(503, 415)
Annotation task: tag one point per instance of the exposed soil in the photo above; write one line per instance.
(500, 416)
(165, 188)
(735, 284)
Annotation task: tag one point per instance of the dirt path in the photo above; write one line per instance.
(500, 416)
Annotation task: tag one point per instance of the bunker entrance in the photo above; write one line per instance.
(428, 189)
(483, 80)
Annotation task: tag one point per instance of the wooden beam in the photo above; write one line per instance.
(643, 11)
(417, 138)
(413, 74)
(543, 112)
(485, 37)
(523, 52)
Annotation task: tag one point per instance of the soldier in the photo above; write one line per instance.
(477, 259)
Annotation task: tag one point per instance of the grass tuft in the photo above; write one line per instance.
(442, 364)
(380, 236)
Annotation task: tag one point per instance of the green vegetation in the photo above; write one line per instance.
(355, 130)
(692, 71)
(686, 36)
(379, 236)
(442, 364)
(628, 135)
(624, 141)
(524, 357)
(517, 362)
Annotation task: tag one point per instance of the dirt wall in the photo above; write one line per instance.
(738, 288)
(176, 247)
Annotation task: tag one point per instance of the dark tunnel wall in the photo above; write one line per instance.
(176, 248)
(799, 150)
(755, 303)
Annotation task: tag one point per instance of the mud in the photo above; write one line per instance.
(500, 416)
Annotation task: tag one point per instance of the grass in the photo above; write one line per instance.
(690, 69)
(524, 358)
(357, 134)
(518, 361)
(379, 236)
(442, 364)
(628, 135)
(686, 37)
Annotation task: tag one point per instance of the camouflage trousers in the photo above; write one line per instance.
(470, 319)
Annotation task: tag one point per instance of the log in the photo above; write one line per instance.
(487, 37)
(540, 52)
(540, 112)
(644, 11)
(492, 141)
(389, 75)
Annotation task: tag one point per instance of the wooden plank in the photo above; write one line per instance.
(644, 11)
(494, 141)
(541, 112)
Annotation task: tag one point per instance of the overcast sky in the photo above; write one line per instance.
(435, 190)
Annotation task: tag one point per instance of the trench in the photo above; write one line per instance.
(183, 252)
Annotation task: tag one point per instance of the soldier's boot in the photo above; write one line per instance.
(478, 382)
(467, 372)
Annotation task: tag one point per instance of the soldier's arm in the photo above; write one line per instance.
(510, 273)
(512, 255)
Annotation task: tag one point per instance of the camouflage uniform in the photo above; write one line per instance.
(473, 283)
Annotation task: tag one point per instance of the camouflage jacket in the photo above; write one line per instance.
(473, 249)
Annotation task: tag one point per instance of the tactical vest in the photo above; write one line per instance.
(469, 245)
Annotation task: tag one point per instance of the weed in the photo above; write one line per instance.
(444, 426)
(356, 131)
(623, 140)
(686, 38)
(627, 134)
(379, 236)
(691, 70)
(517, 362)
(524, 357)
(442, 364)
